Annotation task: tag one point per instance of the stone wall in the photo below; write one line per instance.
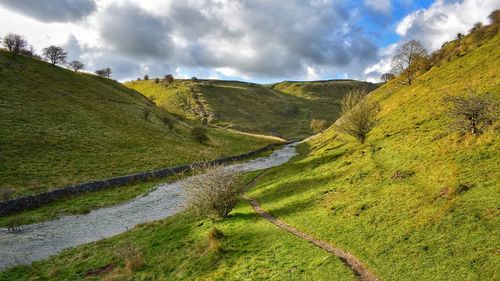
(33, 201)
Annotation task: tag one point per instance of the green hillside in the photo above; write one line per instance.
(284, 109)
(59, 127)
(416, 201)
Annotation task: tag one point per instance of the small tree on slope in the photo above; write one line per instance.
(358, 115)
(55, 55)
(14, 43)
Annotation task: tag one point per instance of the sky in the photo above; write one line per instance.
(260, 41)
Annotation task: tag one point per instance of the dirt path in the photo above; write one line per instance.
(363, 273)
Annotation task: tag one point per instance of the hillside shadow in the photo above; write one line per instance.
(301, 189)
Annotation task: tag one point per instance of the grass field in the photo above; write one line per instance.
(178, 248)
(417, 201)
(252, 107)
(60, 127)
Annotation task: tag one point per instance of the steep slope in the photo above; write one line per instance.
(417, 201)
(252, 107)
(59, 127)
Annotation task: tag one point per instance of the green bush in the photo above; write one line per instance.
(199, 134)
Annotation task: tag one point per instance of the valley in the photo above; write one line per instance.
(390, 180)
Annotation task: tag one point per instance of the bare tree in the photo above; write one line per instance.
(213, 191)
(169, 78)
(358, 115)
(408, 60)
(105, 72)
(169, 122)
(387, 77)
(352, 98)
(15, 43)
(55, 55)
(472, 113)
(76, 65)
(318, 125)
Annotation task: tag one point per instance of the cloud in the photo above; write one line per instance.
(52, 10)
(432, 27)
(261, 40)
(443, 20)
(373, 72)
(381, 6)
(269, 38)
(130, 30)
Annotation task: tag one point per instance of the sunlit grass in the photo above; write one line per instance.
(59, 127)
(255, 108)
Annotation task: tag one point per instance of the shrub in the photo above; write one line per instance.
(472, 113)
(169, 78)
(146, 113)
(168, 122)
(199, 134)
(157, 80)
(146, 77)
(194, 79)
(358, 115)
(131, 255)
(213, 191)
(105, 72)
(318, 125)
(462, 188)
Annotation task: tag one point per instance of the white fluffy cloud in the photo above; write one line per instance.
(443, 20)
(258, 39)
(434, 26)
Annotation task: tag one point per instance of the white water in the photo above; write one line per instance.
(41, 240)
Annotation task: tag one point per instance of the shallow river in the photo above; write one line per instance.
(41, 240)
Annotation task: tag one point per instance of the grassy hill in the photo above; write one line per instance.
(59, 127)
(283, 109)
(416, 201)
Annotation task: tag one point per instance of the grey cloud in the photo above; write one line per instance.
(285, 36)
(52, 10)
(260, 39)
(130, 30)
